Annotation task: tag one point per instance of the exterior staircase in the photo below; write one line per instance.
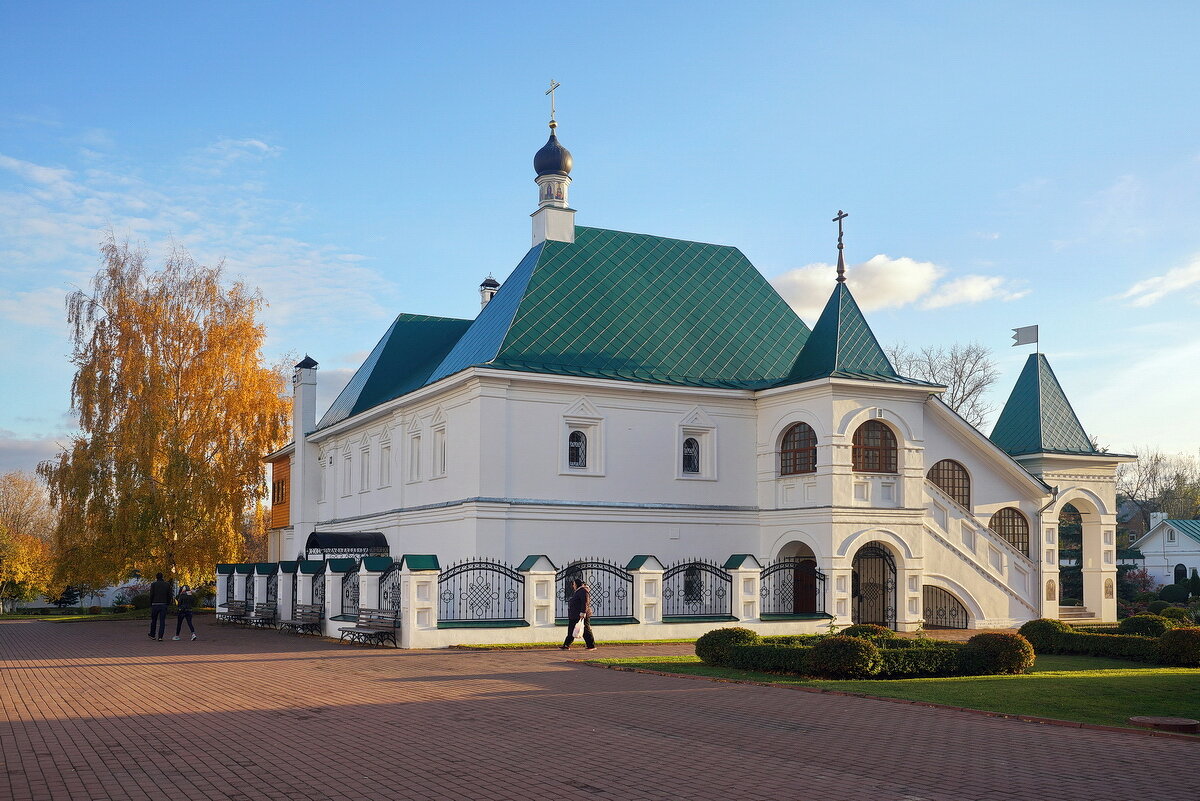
(1075, 613)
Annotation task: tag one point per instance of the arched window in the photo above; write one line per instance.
(798, 451)
(691, 455)
(951, 478)
(874, 448)
(1013, 527)
(1180, 574)
(577, 449)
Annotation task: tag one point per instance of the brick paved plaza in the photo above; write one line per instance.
(99, 711)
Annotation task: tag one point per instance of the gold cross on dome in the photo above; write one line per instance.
(553, 85)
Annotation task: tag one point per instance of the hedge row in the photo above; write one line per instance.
(1175, 646)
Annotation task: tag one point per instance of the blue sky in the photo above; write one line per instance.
(1004, 164)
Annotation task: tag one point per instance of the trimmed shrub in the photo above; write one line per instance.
(1043, 633)
(93, 610)
(792, 639)
(1156, 607)
(1185, 617)
(841, 657)
(868, 631)
(1175, 593)
(771, 658)
(122, 608)
(995, 652)
(1180, 647)
(1145, 597)
(1145, 625)
(1114, 646)
(714, 647)
(141, 600)
(919, 662)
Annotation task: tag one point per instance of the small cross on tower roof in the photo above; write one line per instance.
(841, 265)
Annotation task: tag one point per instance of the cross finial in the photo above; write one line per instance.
(553, 85)
(841, 265)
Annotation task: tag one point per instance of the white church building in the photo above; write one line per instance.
(636, 399)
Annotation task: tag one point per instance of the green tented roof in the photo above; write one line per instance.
(1038, 418)
(400, 362)
(420, 561)
(1190, 528)
(842, 345)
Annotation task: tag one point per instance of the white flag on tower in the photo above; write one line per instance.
(1025, 336)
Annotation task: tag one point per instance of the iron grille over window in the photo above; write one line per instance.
(691, 455)
(952, 479)
(874, 448)
(798, 451)
(1013, 527)
(577, 449)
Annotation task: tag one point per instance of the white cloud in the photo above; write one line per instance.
(225, 153)
(38, 307)
(879, 283)
(24, 453)
(1151, 290)
(972, 289)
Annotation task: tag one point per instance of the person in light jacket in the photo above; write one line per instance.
(186, 600)
(579, 607)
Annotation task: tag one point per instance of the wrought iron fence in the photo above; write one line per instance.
(250, 590)
(873, 587)
(481, 589)
(350, 593)
(389, 588)
(273, 589)
(295, 589)
(610, 586)
(317, 592)
(230, 584)
(792, 586)
(696, 588)
(942, 610)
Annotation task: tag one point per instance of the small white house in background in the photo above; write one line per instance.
(626, 394)
(1171, 548)
(105, 597)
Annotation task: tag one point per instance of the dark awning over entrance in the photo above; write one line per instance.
(345, 543)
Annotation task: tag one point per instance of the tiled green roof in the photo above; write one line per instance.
(1038, 418)
(401, 362)
(842, 345)
(1189, 528)
(635, 307)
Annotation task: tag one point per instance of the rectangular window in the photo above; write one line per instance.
(364, 478)
(385, 464)
(414, 457)
(439, 452)
(347, 466)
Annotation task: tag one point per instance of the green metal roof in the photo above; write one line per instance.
(420, 561)
(376, 563)
(245, 569)
(1190, 528)
(400, 362)
(342, 565)
(224, 569)
(289, 566)
(842, 345)
(533, 559)
(740, 560)
(635, 307)
(266, 568)
(310, 567)
(1038, 418)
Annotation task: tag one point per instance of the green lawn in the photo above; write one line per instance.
(530, 646)
(1078, 688)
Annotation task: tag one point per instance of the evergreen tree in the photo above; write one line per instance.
(69, 597)
(1194, 584)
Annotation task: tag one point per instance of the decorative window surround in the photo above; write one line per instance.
(347, 466)
(414, 456)
(583, 417)
(697, 425)
(385, 464)
(439, 452)
(364, 469)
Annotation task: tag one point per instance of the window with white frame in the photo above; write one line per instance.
(439, 451)
(385, 464)
(414, 457)
(1170, 535)
(582, 444)
(364, 469)
(347, 467)
(691, 456)
(577, 449)
(696, 452)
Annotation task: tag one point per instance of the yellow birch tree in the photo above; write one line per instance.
(26, 529)
(176, 410)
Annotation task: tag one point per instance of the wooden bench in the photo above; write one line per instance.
(307, 620)
(264, 615)
(373, 626)
(234, 612)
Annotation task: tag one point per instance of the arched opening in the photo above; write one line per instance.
(874, 448)
(807, 582)
(873, 586)
(1011, 526)
(691, 456)
(952, 478)
(1070, 551)
(1181, 574)
(798, 450)
(942, 609)
(577, 449)
(1088, 553)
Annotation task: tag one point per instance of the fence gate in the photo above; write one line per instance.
(482, 590)
(389, 588)
(942, 609)
(792, 586)
(697, 589)
(611, 589)
(873, 590)
(350, 593)
(250, 592)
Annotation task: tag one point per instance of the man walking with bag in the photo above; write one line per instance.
(160, 597)
(579, 614)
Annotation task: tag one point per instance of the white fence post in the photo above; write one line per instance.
(647, 574)
(539, 574)
(747, 580)
(418, 612)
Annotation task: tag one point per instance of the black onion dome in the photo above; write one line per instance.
(553, 158)
(489, 283)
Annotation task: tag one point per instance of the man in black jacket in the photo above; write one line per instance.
(579, 607)
(160, 597)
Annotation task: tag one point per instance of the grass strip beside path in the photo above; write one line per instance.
(534, 646)
(1082, 689)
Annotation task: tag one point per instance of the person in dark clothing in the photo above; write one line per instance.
(185, 601)
(579, 607)
(160, 598)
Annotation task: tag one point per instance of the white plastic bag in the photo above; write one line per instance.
(578, 630)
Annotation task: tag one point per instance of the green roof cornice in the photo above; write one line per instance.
(420, 561)
(1038, 418)
(224, 569)
(842, 345)
(377, 564)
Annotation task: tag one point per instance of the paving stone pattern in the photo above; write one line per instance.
(100, 711)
